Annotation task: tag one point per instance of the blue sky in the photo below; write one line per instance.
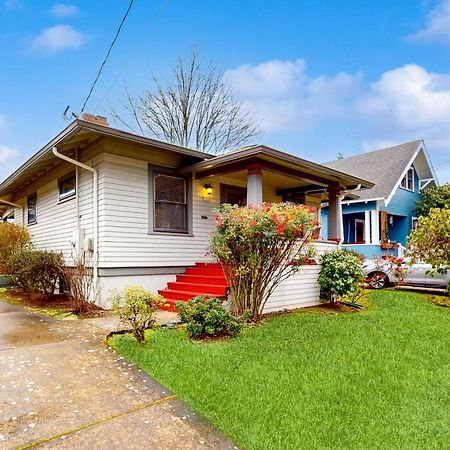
(322, 76)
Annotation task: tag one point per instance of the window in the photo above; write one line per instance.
(32, 209)
(67, 186)
(414, 223)
(408, 180)
(170, 203)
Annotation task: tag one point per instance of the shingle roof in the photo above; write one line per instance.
(383, 167)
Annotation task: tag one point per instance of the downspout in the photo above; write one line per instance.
(15, 206)
(95, 206)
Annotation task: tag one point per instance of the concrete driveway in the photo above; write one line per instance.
(61, 387)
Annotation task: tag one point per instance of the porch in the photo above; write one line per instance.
(252, 176)
(374, 233)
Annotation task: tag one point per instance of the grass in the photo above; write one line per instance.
(377, 379)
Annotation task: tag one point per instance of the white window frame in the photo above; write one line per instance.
(414, 219)
(404, 182)
(71, 194)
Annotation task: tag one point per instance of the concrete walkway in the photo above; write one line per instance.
(61, 387)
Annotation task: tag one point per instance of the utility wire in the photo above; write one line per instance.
(107, 54)
(144, 35)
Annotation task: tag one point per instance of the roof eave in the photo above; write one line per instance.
(258, 150)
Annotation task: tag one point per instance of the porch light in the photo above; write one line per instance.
(208, 189)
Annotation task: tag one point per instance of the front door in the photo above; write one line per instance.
(359, 231)
(234, 195)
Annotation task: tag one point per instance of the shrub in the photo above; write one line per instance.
(259, 247)
(435, 197)
(13, 238)
(340, 275)
(430, 241)
(207, 317)
(136, 307)
(80, 281)
(35, 270)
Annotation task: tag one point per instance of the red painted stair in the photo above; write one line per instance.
(202, 279)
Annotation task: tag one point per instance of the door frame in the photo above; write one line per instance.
(226, 189)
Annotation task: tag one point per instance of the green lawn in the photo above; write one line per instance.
(376, 379)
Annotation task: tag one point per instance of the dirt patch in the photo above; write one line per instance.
(58, 306)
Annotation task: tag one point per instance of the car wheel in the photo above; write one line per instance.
(377, 280)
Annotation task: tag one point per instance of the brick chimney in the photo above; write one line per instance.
(99, 120)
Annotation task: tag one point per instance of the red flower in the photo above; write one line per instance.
(313, 209)
(253, 223)
(280, 228)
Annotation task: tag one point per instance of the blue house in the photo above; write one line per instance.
(377, 221)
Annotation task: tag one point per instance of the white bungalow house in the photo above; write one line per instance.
(145, 208)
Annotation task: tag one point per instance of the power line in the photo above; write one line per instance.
(145, 33)
(107, 54)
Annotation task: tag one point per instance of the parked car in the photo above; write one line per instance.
(381, 273)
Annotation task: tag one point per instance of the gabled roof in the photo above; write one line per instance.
(386, 168)
(84, 131)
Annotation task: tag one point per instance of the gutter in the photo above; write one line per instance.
(95, 201)
(15, 206)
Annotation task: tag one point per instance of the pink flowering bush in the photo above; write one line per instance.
(259, 247)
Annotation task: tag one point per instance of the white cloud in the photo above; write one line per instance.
(57, 38)
(437, 28)
(64, 10)
(408, 103)
(403, 104)
(7, 154)
(285, 97)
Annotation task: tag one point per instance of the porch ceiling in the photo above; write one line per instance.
(296, 173)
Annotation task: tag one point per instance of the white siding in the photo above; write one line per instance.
(125, 240)
(302, 288)
(56, 221)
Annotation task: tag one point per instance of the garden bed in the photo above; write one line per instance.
(57, 306)
(319, 378)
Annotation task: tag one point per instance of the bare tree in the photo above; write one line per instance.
(196, 109)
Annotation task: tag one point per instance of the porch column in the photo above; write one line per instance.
(334, 213)
(367, 237)
(254, 185)
(375, 235)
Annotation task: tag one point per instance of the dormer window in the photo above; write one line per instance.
(408, 180)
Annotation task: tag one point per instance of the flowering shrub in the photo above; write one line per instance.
(340, 276)
(205, 317)
(259, 247)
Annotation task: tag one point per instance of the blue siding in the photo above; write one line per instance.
(402, 206)
(370, 251)
(324, 223)
(358, 207)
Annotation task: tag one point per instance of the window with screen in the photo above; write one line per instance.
(32, 209)
(408, 180)
(170, 203)
(67, 187)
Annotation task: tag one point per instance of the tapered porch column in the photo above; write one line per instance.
(254, 185)
(334, 213)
